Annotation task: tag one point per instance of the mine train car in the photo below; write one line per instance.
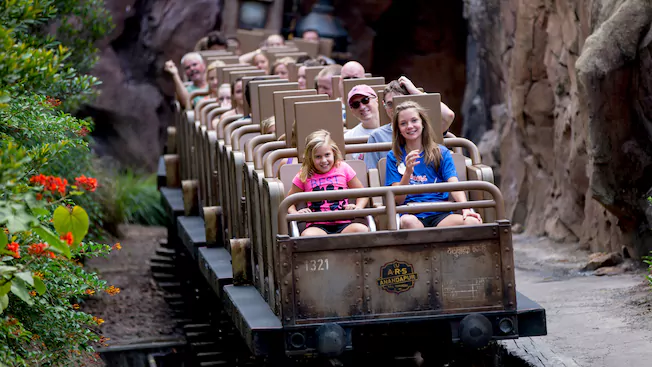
(323, 296)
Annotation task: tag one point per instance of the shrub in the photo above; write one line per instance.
(45, 49)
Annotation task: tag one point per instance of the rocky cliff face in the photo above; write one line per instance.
(133, 109)
(567, 83)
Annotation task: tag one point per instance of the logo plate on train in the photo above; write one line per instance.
(397, 277)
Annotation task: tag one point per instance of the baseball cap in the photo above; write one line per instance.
(361, 89)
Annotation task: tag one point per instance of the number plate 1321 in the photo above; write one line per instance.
(316, 265)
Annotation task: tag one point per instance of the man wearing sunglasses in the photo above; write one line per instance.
(363, 102)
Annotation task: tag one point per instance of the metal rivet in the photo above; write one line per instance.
(356, 251)
(359, 287)
(507, 249)
(285, 265)
(284, 247)
(286, 282)
(437, 294)
(366, 286)
(495, 254)
(297, 280)
(506, 230)
(426, 257)
(357, 263)
(287, 319)
(509, 285)
(434, 257)
(296, 267)
(429, 295)
(428, 282)
(368, 298)
(298, 292)
(366, 274)
(427, 270)
(357, 275)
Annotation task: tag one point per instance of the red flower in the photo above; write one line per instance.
(83, 131)
(15, 248)
(88, 183)
(39, 196)
(67, 238)
(36, 248)
(50, 183)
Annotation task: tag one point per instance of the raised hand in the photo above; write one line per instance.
(407, 83)
(412, 160)
(304, 211)
(170, 67)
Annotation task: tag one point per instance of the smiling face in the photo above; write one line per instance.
(194, 69)
(410, 124)
(301, 77)
(237, 93)
(389, 104)
(261, 62)
(324, 86)
(365, 112)
(213, 82)
(282, 71)
(323, 158)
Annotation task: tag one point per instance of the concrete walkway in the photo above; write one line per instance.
(592, 321)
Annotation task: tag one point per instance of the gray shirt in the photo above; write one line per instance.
(382, 134)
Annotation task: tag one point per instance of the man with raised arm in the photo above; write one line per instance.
(401, 87)
(194, 67)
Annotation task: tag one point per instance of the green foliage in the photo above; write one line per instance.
(132, 198)
(46, 47)
(648, 261)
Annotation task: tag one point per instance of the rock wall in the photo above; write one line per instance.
(133, 109)
(567, 83)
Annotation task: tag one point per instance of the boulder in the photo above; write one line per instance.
(601, 260)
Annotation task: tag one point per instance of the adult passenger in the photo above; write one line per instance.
(363, 102)
(273, 40)
(194, 67)
(216, 41)
(281, 68)
(323, 79)
(401, 87)
(237, 101)
(301, 73)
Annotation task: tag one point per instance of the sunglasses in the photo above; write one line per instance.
(350, 77)
(355, 105)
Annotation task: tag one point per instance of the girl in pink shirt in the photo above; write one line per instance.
(323, 169)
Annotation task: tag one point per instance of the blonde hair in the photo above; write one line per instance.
(214, 65)
(282, 61)
(266, 124)
(253, 60)
(316, 140)
(431, 151)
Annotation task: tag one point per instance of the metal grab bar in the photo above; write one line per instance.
(276, 155)
(391, 209)
(254, 142)
(260, 153)
(465, 143)
(237, 134)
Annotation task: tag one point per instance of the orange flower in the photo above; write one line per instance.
(37, 248)
(38, 274)
(15, 248)
(50, 183)
(97, 320)
(117, 246)
(75, 306)
(67, 238)
(112, 290)
(51, 255)
(82, 132)
(90, 292)
(39, 196)
(32, 293)
(88, 183)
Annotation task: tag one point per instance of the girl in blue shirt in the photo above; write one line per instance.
(417, 159)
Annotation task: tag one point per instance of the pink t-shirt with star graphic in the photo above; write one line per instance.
(336, 179)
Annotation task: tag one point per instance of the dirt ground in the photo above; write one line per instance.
(139, 311)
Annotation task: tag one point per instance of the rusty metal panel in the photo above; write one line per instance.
(328, 284)
(399, 279)
(470, 275)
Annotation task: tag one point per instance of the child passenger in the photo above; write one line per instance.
(323, 169)
(416, 159)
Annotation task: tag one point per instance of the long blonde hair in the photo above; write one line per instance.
(316, 140)
(431, 151)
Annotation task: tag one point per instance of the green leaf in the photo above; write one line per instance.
(3, 238)
(25, 276)
(5, 288)
(75, 221)
(40, 211)
(20, 290)
(55, 243)
(19, 222)
(4, 303)
(39, 285)
(7, 269)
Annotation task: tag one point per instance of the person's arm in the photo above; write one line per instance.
(460, 197)
(248, 58)
(410, 162)
(293, 209)
(360, 203)
(180, 89)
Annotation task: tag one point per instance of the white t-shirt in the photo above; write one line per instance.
(359, 130)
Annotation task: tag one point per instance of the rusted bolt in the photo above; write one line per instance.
(506, 230)
(428, 282)
(368, 298)
(427, 270)
(359, 287)
(297, 280)
(495, 254)
(298, 291)
(356, 251)
(357, 275)
(366, 274)
(287, 319)
(437, 294)
(284, 247)
(286, 282)
(426, 257)
(365, 262)
(507, 249)
(366, 287)
(497, 277)
(509, 285)
(434, 257)
(285, 265)
(429, 295)
(511, 303)
(296, 267)
(287, 300)
(357, 263)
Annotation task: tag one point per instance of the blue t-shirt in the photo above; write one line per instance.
(382, 134)
(423, 174)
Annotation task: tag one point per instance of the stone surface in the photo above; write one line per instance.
(601, 260)
(575, 153)
(133, 109)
